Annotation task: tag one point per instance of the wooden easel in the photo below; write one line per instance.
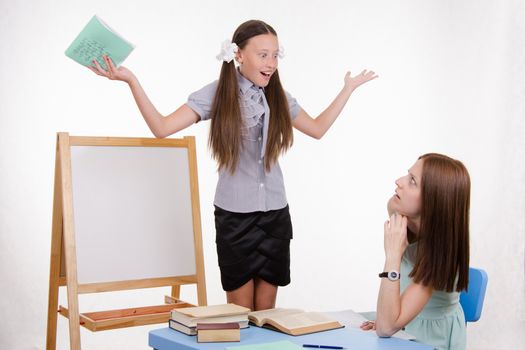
(63, 266)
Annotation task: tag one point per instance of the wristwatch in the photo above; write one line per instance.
(391, 275)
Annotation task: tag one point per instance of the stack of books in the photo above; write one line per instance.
(185, 320)
(219, 322)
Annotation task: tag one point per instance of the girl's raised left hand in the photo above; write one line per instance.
(361, 78)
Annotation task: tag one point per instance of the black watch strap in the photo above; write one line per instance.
(391, 275)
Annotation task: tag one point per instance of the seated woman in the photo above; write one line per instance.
(426, 245)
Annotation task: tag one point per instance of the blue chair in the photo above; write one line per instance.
(472, 301)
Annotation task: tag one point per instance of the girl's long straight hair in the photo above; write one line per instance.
(226, 124)
(442, 258)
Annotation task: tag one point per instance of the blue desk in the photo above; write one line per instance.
(352, 339)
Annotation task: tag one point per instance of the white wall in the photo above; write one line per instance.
(451, 81)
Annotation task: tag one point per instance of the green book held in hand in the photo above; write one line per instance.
(95, 40)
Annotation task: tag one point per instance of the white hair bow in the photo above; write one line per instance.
(281, 51)
(228, 50)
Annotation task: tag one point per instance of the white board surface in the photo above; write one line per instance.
(132, 211)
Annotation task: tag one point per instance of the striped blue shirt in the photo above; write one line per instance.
(250, 188)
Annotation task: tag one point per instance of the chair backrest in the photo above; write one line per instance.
(472, 301)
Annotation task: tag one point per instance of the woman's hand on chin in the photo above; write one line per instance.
(396, 236)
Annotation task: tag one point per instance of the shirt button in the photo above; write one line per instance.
(261, 185)
(260, 138)
(259, 161)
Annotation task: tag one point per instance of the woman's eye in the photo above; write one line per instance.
(412, 181)
(263, 55)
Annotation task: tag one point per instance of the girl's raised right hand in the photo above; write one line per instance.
(121, 73)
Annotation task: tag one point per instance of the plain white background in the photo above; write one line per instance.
(451, 81)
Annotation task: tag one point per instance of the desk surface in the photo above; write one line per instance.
(168, 339)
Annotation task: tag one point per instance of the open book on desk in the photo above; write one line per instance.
(293, 321)
(352, 319)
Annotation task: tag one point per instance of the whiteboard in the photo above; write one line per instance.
(132, 213)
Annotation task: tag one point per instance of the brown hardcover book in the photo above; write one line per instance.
(293, 321)
(218, 332)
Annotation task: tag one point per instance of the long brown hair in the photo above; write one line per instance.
(442, 258)
(225, 131)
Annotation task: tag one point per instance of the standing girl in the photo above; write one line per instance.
(251, 125)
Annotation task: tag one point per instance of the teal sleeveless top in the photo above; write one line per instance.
(441, 323)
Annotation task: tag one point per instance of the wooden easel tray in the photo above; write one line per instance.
(120, 318)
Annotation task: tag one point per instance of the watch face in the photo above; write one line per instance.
(393, 275)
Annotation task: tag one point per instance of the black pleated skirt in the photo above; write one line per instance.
(251, 245)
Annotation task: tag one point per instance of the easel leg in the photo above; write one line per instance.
(68, 236)
(74, 320)
(175, 291)
(53, 298)
(54, 266)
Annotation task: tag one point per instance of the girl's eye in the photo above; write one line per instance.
(412, 180)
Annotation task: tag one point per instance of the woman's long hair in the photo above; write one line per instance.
(225, 131)
(442, 258)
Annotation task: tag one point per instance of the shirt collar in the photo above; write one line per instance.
(244, 83)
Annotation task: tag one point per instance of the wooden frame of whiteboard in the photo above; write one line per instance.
(63, 261)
